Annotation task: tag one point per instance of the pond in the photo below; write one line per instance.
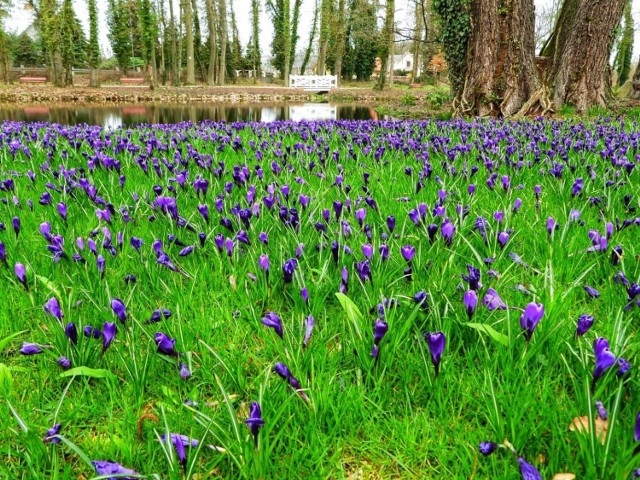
(113, 116)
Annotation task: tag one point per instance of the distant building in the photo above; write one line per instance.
(31, 31)
(403, 63)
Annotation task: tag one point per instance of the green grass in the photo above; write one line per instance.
(387, 419)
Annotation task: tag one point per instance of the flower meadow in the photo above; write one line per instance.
(320, 299)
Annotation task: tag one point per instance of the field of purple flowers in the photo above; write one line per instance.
(325, 300)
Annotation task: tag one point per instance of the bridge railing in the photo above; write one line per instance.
(313, 82)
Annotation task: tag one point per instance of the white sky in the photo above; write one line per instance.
(21, 18)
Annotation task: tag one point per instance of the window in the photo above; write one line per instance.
(408, 63)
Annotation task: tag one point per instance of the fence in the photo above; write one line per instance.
(313, 82)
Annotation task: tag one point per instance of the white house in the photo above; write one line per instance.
(405, 62)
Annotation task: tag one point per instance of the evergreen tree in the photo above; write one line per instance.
(26, 52)
(149, 38)
(255, 59)
(119, 33)
(93, 55)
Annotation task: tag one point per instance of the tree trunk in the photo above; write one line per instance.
(188, 25)
(387, 45)
(500, 67)
(222, 64)
(255, 51)
(580, 49)
(635, 84)
(59, 74)
(286, 26)
(417, 41)
(175, 69)
(163, 44)
(198, 39)
(180, 36)
(341, 39)
(213, 54)
(325, 32)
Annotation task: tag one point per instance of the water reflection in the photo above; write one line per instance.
(114, 116)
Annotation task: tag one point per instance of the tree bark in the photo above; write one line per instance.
(287, 41)
(188, 21)
(222, 64)
(387, 45)
(341, 39)
(325, 31)
(501, 74)
(417, 41)
(213, 54)
(635, 84)
(175, 69)
(198, 39)
(580, 48)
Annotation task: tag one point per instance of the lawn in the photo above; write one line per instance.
(389, 294)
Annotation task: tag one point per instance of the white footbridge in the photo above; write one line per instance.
(314, 83)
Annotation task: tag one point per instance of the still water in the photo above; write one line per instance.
(113, 116)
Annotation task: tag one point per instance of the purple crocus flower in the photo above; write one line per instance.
(408, 252)
(604, 358)
(503, 238)
(364, 270)
(391, 223)
(551, 225)
(105, 468)
(109, 330)
(263, 264)
(470, 301)
(473, 278)
(71, 333)
(100, 264)
(367, 250)
(448, 231)
(30, 349)
(52, 307)
(62, 210)
(272, 320)
(493, 301)
(288, 268)
(517, 204)
(16, 226)
(64, 363)
(380, 328)
(591, 292)
(282, 370)
(21, 274)
(623, 367)
(255, 421)
(487, 448)
(309, 324)
(184, 372)
(136, 243)
(119, 309)
(166, 345)
(585, 322)
(52, 432)
(636, 429)
(602, 412)
(530, 318)
(528, 471)
(436, 342)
